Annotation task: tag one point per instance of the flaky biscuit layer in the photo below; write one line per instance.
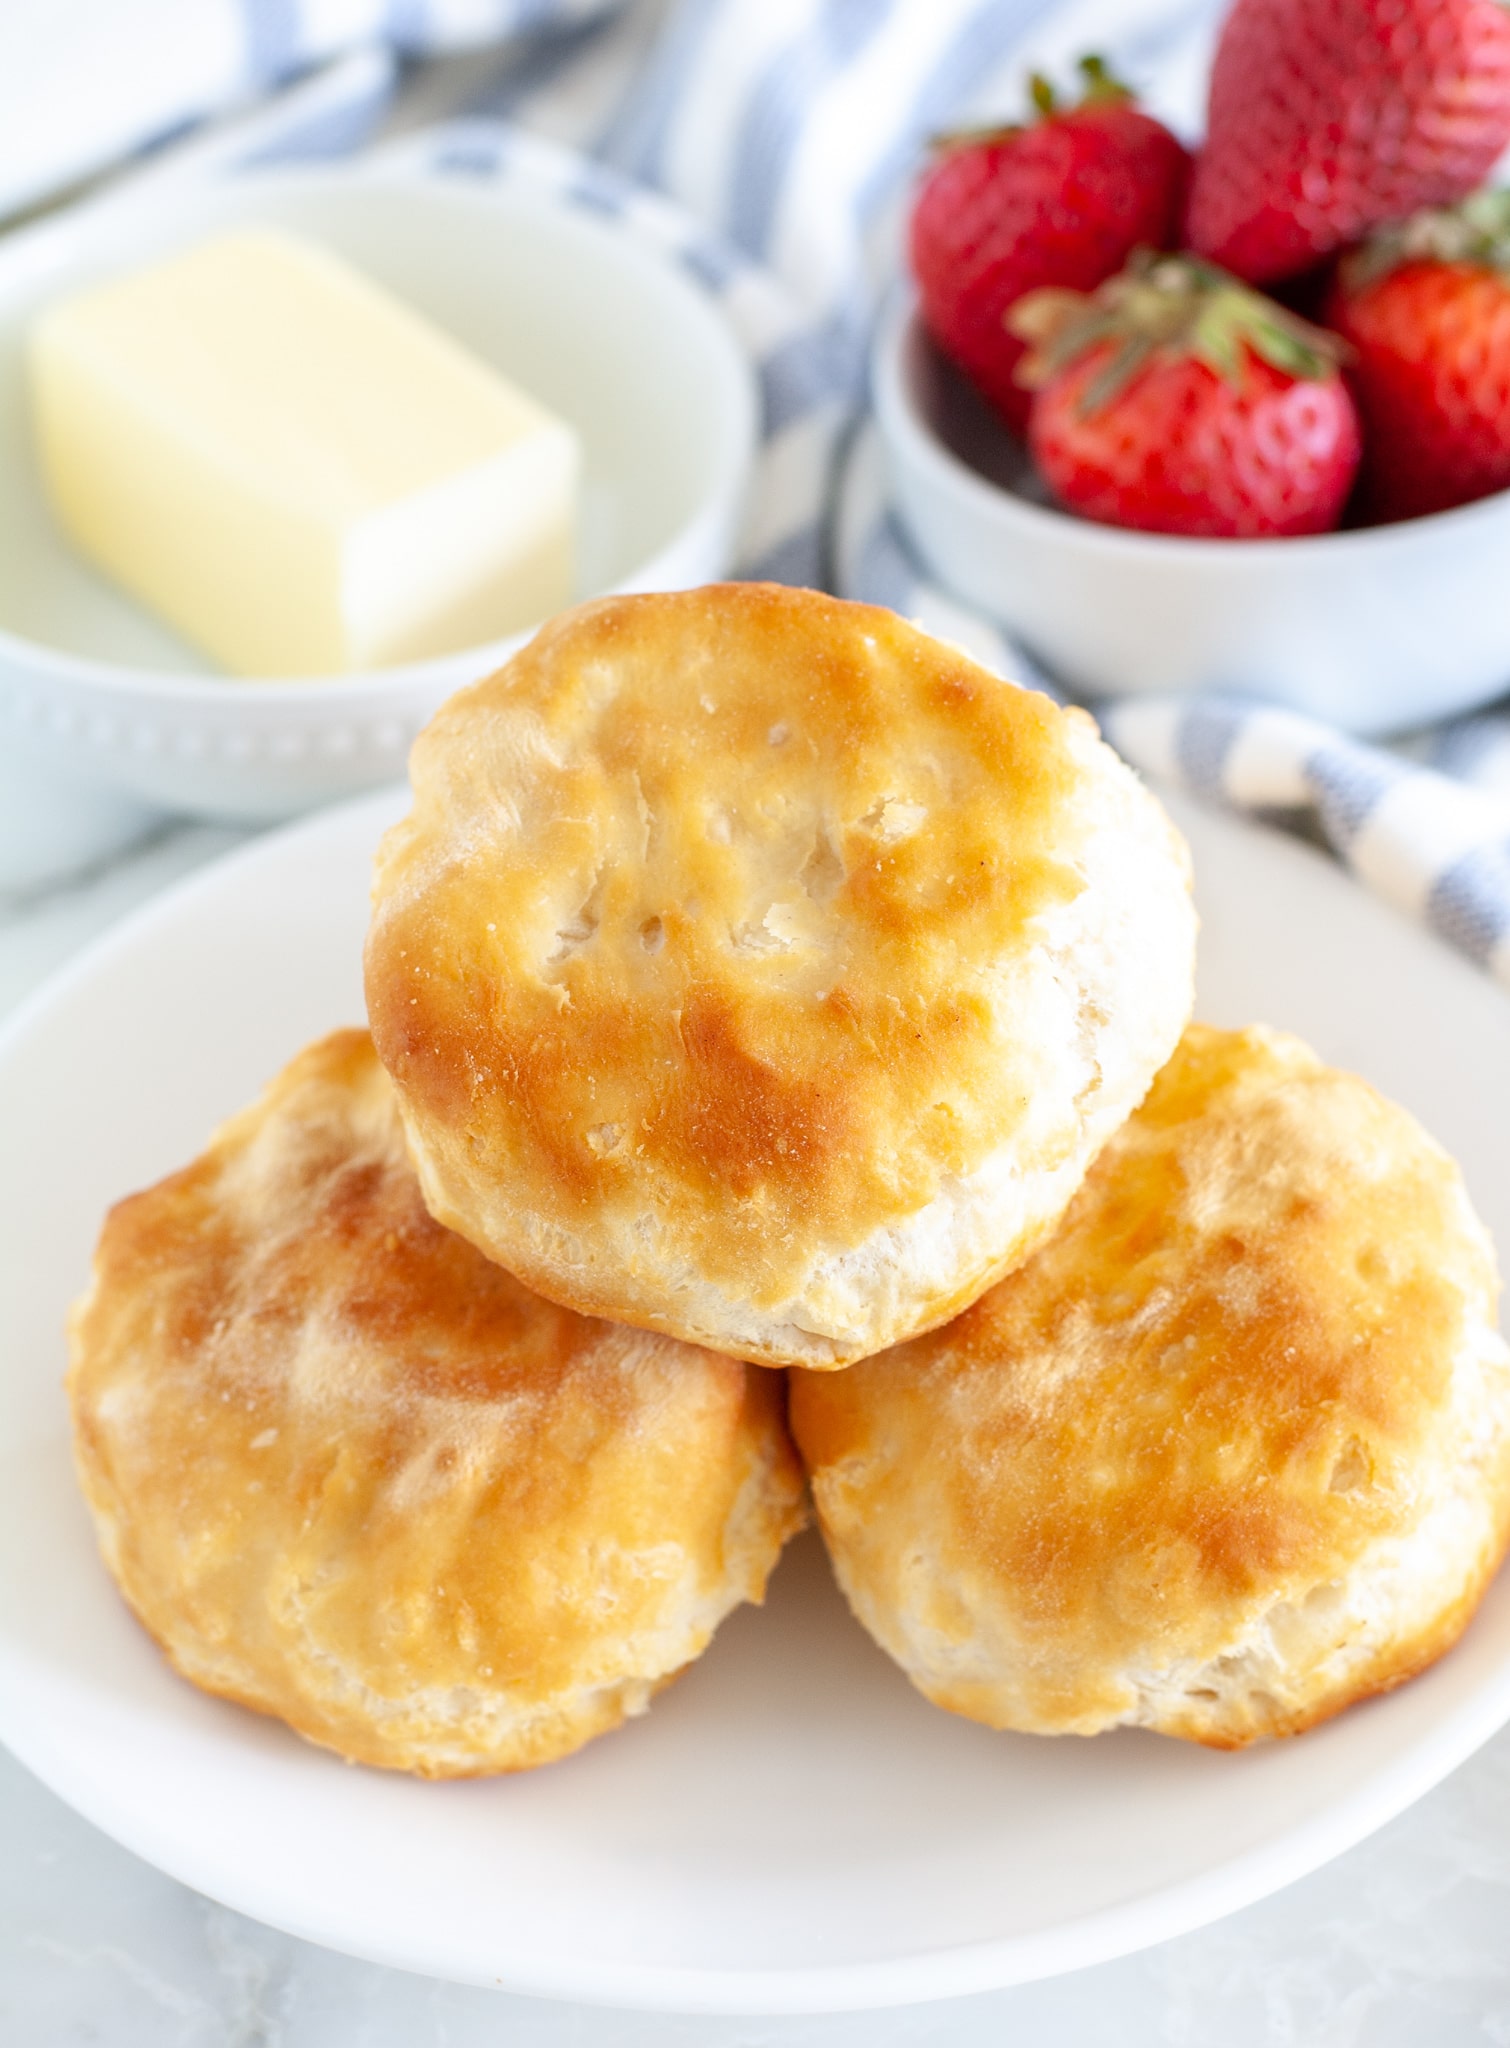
(756, 968)
(349, 1473)
(1231, 1451)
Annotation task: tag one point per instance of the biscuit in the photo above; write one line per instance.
(756, 968)
(1231, 1451)
(348, 1473)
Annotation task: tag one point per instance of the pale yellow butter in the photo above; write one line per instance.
(300, 474)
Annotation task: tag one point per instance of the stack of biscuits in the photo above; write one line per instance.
(781, 1084)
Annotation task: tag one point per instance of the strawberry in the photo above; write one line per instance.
(1064, 200)
(1328, 117)
(1426, 308)
(1176, 400)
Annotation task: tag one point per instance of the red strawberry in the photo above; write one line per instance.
(1063, 201)
(1176, 400)
(1330, 116)
(1426, 307)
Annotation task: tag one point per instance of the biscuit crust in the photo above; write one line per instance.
(756, 968)
(349, 1473)
(1230, 1452)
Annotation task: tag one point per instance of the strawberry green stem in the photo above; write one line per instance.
(1173, 306)
(1101, 88)
(1476, 230)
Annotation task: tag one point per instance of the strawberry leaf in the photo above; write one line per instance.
(1476, 230)
(1102, 87)
(1171, 307)
(1118, 371)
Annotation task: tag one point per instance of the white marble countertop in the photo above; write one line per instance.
(1403, 1943)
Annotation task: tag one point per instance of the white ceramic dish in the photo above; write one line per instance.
(791, 1827)
(607, 331)
(1375, 631)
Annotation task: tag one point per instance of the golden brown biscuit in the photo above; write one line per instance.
(349, 1473)
(1230, 1452)
(756, 968)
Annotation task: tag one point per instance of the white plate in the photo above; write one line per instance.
(791, 1828)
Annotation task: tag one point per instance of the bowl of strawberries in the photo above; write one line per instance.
(1236, 420)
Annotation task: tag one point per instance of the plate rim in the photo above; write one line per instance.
(1163, 1913)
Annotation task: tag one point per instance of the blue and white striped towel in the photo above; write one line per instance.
(780, 136)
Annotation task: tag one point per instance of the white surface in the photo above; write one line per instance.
(791, 1827)
(1373, 631)
(53, 822)
(600, 327)
(151, 64)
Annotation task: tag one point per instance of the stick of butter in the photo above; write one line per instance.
(297, 472)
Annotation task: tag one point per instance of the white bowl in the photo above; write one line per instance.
(1374, 630)
(602, 328)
